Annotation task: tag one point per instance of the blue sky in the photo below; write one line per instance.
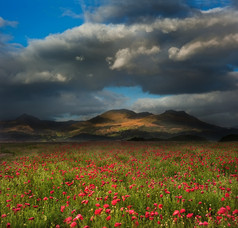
(39, 18)
(90, 56)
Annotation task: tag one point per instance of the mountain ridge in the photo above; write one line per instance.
(122, 124)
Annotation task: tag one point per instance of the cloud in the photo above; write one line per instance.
(130, 11)
(54, 101)
(128, 58)
(195, 53)
(197, 47)
(70, 13)
(4, 23)
(216, 107)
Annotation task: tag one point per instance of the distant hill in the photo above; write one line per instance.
(229, 138)
(119, 124)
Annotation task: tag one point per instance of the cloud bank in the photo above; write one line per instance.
(165, 47)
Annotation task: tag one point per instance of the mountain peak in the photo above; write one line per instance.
(27, 118)
(120, 111)
(175, 112)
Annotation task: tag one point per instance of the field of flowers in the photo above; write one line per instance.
(119, 184)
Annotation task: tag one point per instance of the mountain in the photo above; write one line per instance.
(119, 124)
(229, 138)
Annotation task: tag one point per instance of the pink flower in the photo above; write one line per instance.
(189, 215)
(62, 208)
(182, 211)
(31, 218)
(108, 211)
(117, 224)
(176, 212)
(73, 224)
(68, 220)
(222, 210)
(160, 206)
(108, 218)
(79, 216)
(235, 212)
(98, 211)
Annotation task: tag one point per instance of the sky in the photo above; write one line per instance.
(75, 59)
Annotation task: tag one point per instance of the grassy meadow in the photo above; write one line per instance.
(119, 184)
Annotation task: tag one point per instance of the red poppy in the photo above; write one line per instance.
(62, 208)
(176, 212)
(182, 211)
(189, 215)
(73, 224)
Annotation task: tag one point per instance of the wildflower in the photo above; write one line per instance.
(98, 211)
(108, 218)
(106, 205)
(31, 218)
(62, 208)
(73, 224)
(68, 220)
(117, 224)
(160, 206)
(189, 215)
(176, 212)
(235, 212)
(79, 216)
(108, 211)
(222, 210)
(182, 211)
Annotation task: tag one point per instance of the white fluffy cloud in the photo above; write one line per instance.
(197, 47)
(128, 58)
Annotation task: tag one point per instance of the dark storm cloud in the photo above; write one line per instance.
(130, 11)
(68, 72)
(220, 108)
(234, 3)
(52, 100)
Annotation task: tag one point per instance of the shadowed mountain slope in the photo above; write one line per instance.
(114, 124)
